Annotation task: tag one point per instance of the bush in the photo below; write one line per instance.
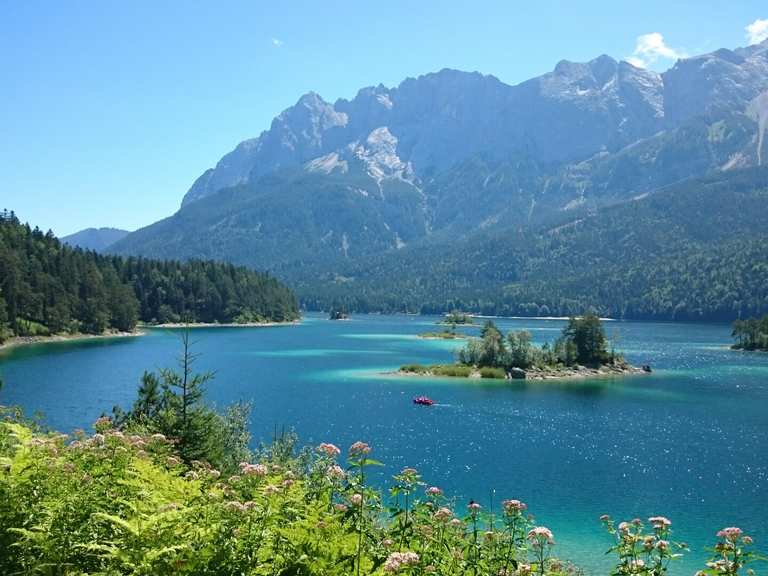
(30, 328)
(453, 370)
(492, 373)
(414, 368)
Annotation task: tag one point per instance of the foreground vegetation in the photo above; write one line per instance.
(49, 288)
(120, 502)
(751, 334)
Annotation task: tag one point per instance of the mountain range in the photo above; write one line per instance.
(454, 160)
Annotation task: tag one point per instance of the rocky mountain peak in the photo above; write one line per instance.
(443, 118)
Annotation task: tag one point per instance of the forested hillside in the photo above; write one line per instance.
(47, 287)
(696, 250)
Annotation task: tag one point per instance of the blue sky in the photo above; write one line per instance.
(109, 110)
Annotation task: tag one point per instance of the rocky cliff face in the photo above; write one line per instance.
(443, 118)
(444, 155)
(711, 85)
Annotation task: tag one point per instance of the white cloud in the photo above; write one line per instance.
(650, 48)
(277, 43)
(757, 31)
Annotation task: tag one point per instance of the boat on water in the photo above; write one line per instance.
(423, 401)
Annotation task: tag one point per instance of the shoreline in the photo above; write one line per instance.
(19, 341)
(177, 325)
(534, 374)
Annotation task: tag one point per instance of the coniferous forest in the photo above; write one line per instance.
(49, 288)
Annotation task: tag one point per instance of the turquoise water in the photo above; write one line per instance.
(689, 441)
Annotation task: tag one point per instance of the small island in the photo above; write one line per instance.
(457, 318)
(443, 335)
(751, 334)
(338, 314)
(580, 352)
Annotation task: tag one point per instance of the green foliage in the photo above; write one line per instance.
(456, 317)
(171, 403)
(337, 314)
(671, 255)
(47, 287)
(452, 370)
(414, 368)
(751, 334)
(582, 341)
(487, 372)
(641, 552)
(586, 337)
(118, 503)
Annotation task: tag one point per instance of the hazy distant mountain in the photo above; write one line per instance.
(445, 156)
(96, 239)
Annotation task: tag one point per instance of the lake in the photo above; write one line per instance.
(689, 441)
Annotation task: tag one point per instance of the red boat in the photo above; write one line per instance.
(423, 401)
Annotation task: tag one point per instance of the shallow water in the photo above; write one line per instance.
(689, 441)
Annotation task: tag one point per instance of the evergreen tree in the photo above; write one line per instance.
(47, 287)
(585, 340)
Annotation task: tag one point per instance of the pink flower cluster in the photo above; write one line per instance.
(660, 522)
(102, 423)
(336, 472)
(512, 507)
(241, 506)
(359, 448)
(540, 535)
(434, 491)
(443, 514)
(731, 533)
(398, 560)
(474, 507)
(247, 469)
(330, 450)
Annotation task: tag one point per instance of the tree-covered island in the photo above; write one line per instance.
(457, 317)
(581, 350)
(751, 334)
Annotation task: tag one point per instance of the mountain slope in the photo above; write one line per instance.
(95, 238)
(695, 250)
(461, 159)
(47, 287)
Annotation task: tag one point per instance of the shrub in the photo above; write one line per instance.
(492, 373)
(456, 371)
(414, 368)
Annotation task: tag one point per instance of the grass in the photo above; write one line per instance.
(452, 370)
(492, 373)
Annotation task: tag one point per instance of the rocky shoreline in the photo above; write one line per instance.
(17, 341)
